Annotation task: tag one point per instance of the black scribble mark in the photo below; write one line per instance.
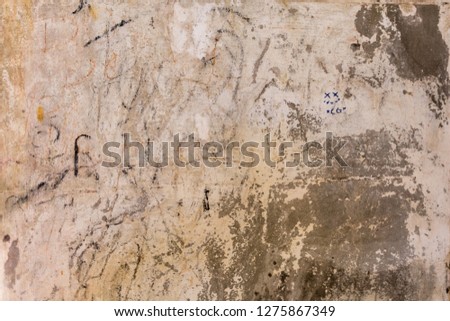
(80, 6)
(240, 64)
(93, 40)
(136, 93)
(118, 25)
(231, 11)
(51, 183)
(125, 106)
(108, 207)
(206, 200)
(136, 209)
(59, 178)
(159, 260)
(269, 84)
(58, 133)
(209, 61)
(41, 185)
(76, 150)
(84, 261)
(259, 60)
(69, 204)
(135, 270)
(226, 31)
(138, 261)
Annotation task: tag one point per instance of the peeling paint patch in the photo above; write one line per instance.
(352, 225)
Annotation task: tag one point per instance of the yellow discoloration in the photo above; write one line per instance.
(16, 18)
(92, 11)
(40, 113)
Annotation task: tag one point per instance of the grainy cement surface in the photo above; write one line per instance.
(77, 74)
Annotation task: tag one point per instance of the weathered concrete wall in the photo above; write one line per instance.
(78, 74)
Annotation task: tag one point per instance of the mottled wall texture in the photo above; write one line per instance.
(79, 73)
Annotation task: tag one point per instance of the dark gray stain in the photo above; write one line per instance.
(419, 50)
(367, 20)
(356, 223)
(358, 247)
(301, 123)
(355, 46)
(249, 254)
(367, 23)
(414, 45)
(11, 264)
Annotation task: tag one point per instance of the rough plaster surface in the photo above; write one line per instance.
(76, 74)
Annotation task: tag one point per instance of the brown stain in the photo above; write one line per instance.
(11, 264)
(17, 26)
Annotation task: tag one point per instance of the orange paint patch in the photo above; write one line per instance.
(40, 113)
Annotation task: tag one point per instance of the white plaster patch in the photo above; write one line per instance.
(191, 32)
